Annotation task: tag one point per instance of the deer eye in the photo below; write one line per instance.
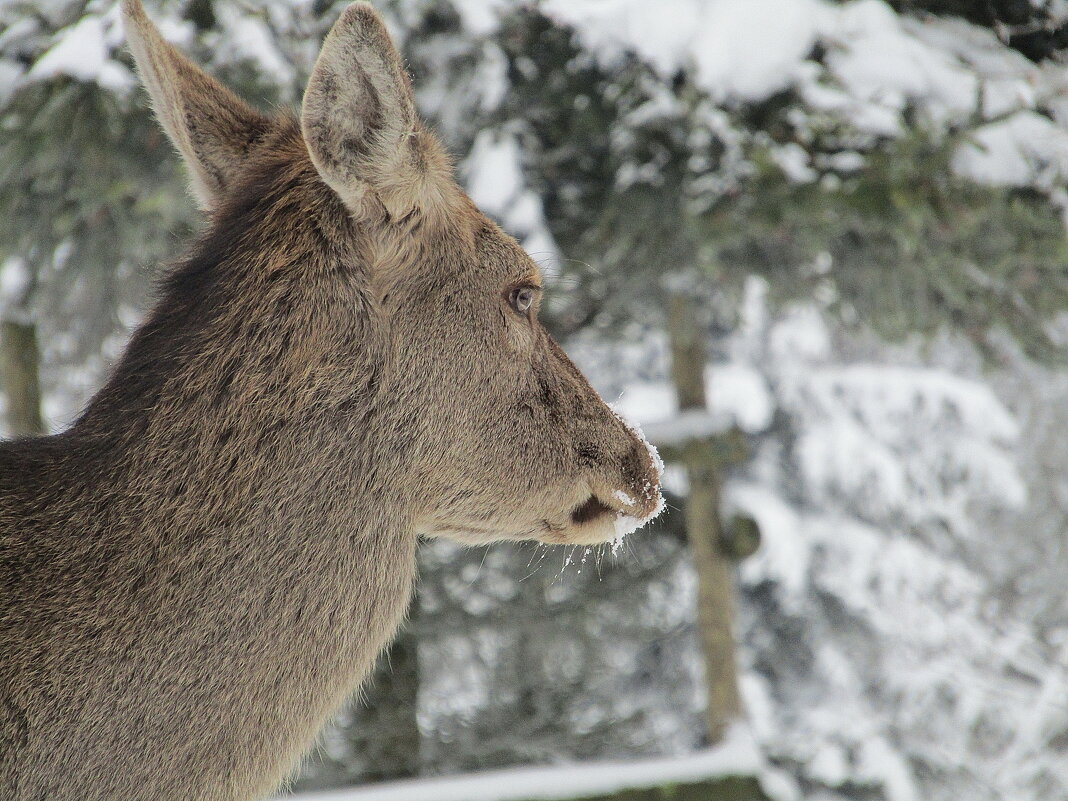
(521, 299)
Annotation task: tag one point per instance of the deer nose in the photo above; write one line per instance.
(641, 481)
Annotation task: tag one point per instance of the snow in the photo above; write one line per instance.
(829, 765)
(1022, 150)
(880, 762)
(10, 73)
(800, 337)
(896, 439)
(737, 395)
(492, 77)
(871, 634)
(760, 51)
(494, 178)
(662, 33)
(648, 402)
(870, 37)
(741, 393)
(795, 163)
(778, 785)
(748, 51)
(16, 30)
(947, 69)
(15, 280)
(783, 557)
(737, 755)
(248, 39)
(687, 426)
(480, 17)
(82, 52)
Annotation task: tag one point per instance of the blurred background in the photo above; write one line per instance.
(818, 249)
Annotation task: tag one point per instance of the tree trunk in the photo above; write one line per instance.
(19, 378)
(715, 601)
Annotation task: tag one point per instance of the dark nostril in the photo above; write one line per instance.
(591, 509)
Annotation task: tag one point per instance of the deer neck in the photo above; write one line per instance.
(257, 604)
(267, 556)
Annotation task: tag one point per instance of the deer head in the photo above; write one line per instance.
(491, 431)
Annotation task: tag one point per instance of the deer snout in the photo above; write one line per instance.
(640, 490)
(624, 495)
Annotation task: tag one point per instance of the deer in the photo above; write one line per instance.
(198, 571)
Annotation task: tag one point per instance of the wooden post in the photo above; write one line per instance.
(19, 378)
(715, 601)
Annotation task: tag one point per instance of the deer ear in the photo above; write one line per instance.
(212, 128)
(360, 125)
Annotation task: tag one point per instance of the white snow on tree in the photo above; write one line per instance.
(886, 664)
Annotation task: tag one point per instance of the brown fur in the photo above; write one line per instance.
(207, 562)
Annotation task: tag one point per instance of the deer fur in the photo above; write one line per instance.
(199, 570)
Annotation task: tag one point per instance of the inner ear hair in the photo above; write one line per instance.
(360, 125)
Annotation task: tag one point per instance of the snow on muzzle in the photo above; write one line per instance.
(640, 503)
